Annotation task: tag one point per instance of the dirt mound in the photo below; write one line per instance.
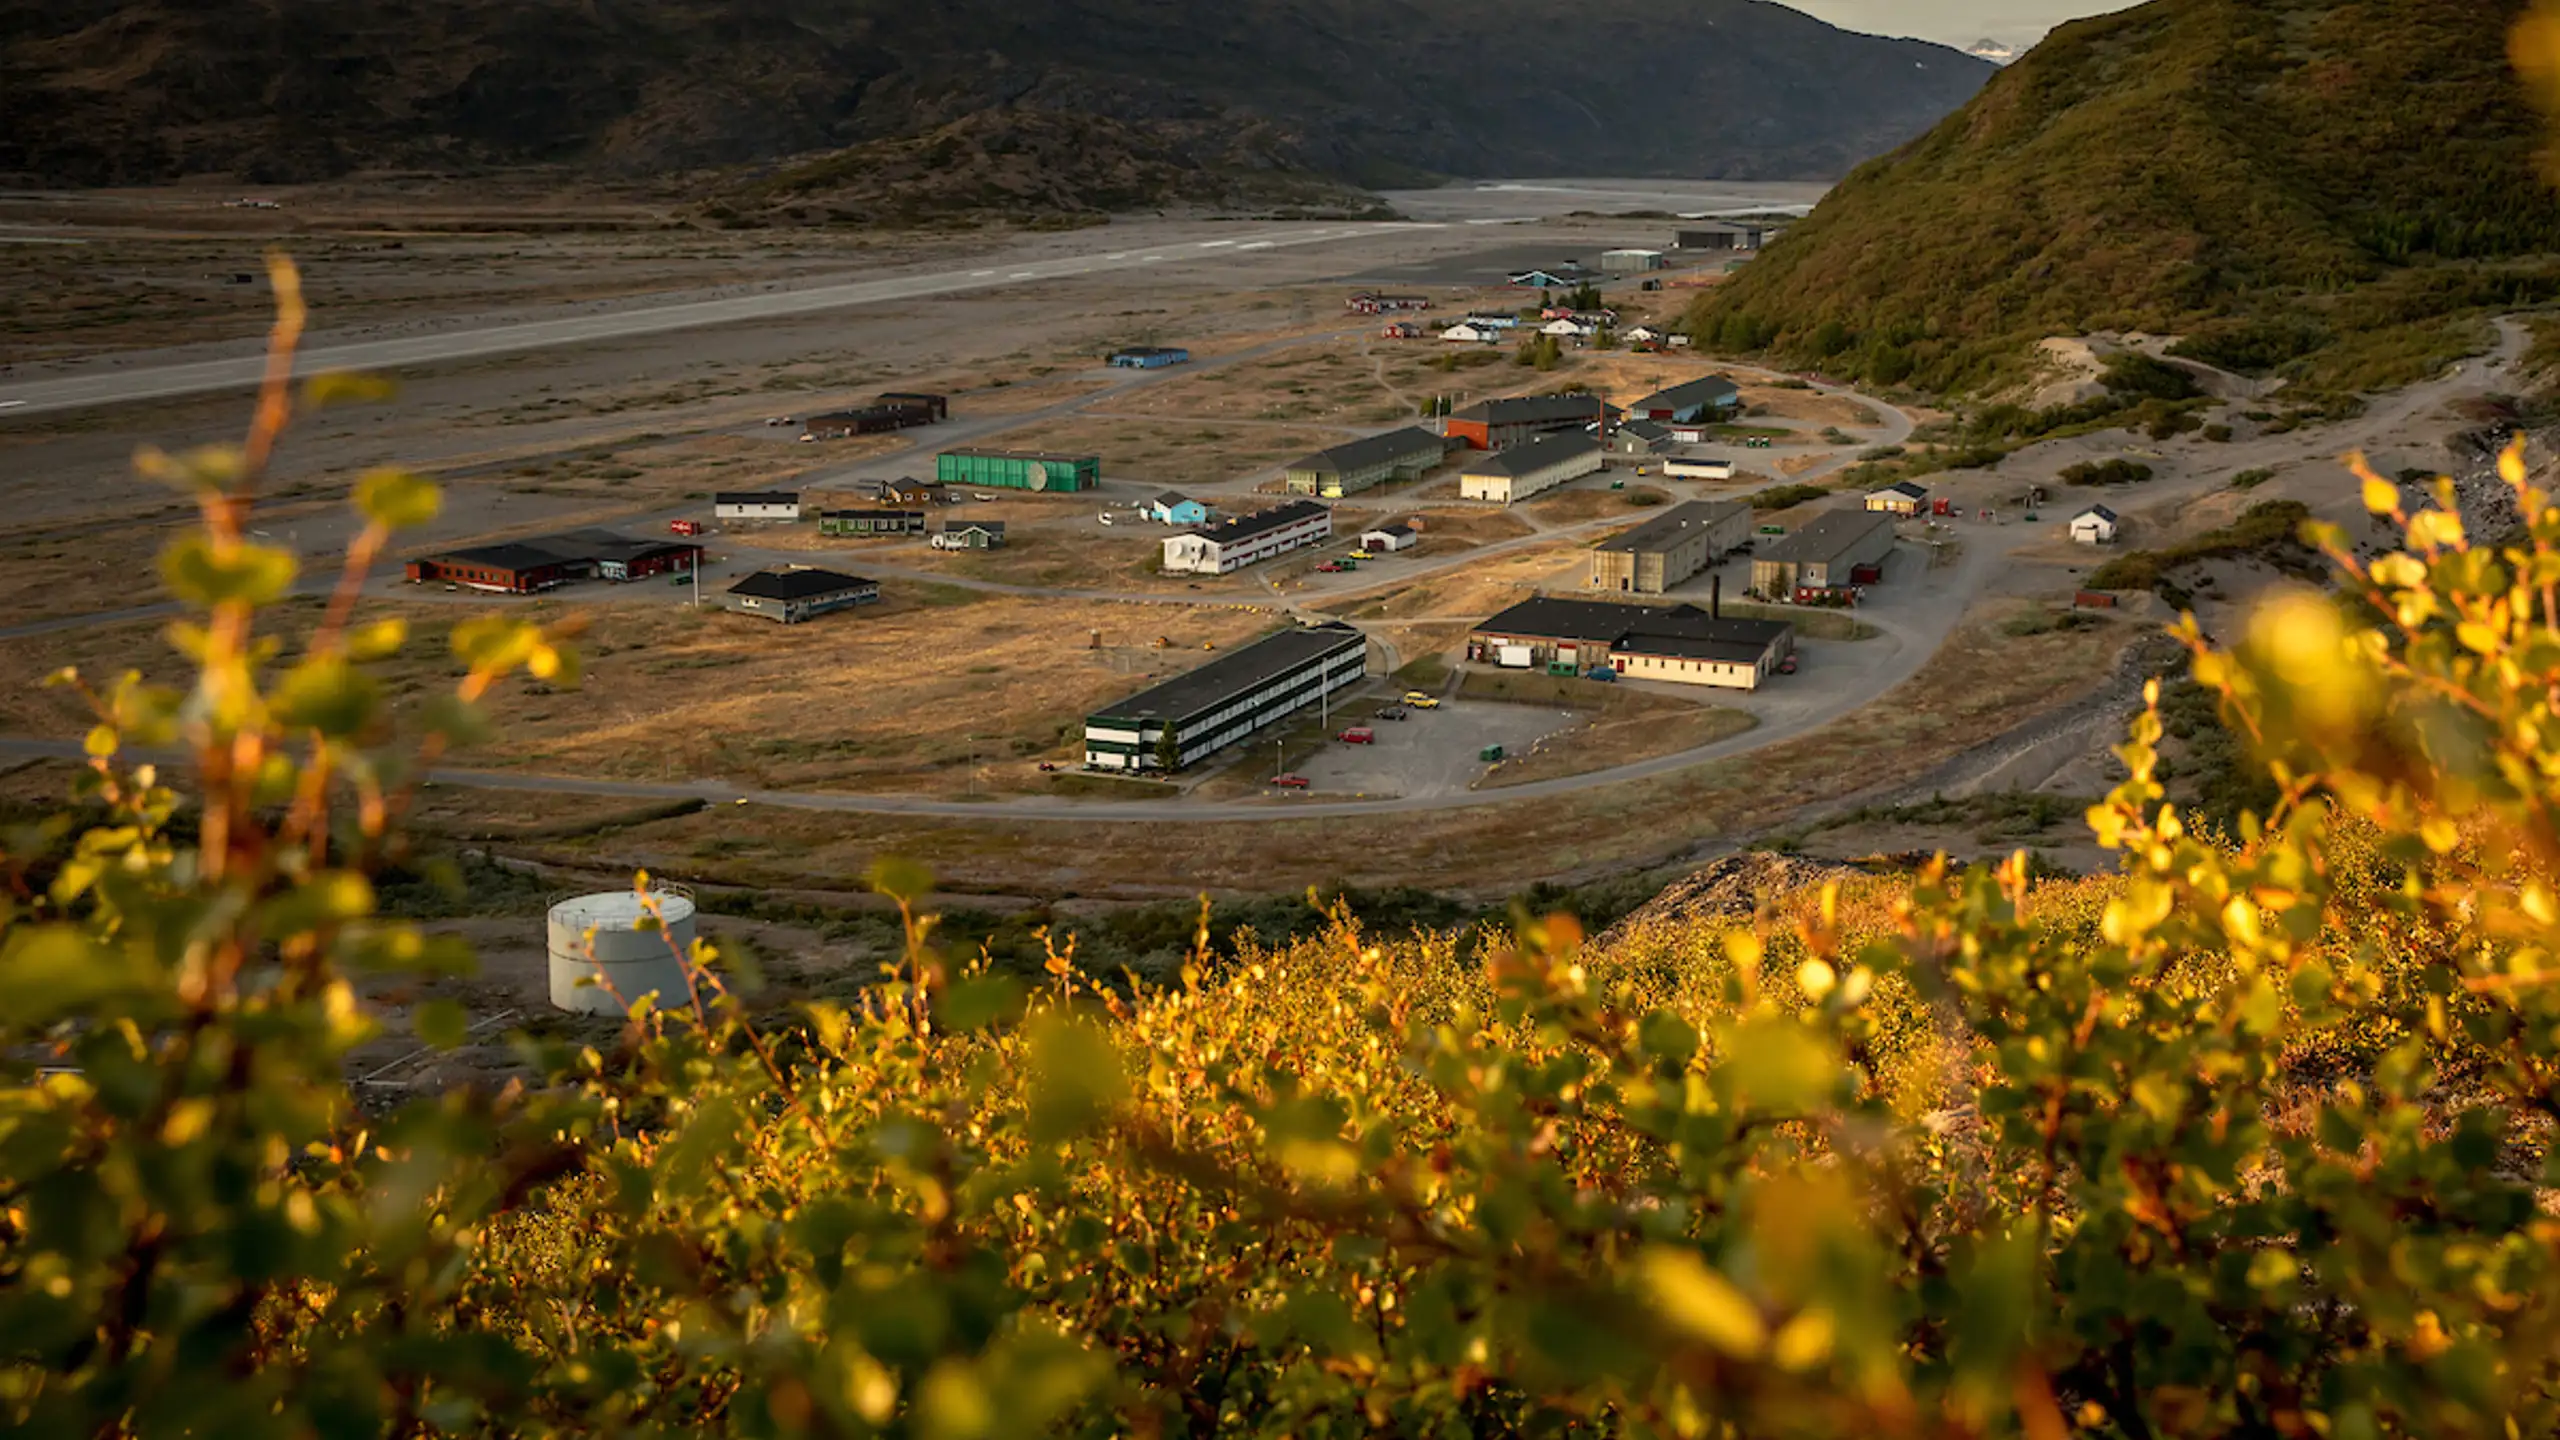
(1728, 889)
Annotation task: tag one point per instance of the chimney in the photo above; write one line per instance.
(1715, 597)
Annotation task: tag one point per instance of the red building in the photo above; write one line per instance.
(1501, 424)
(527, 567)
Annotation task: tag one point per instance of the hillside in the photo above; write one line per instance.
(99, 92)
(2324, 185)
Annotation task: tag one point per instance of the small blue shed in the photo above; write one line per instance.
(1150, 357)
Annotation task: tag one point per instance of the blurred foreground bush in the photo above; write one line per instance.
(2249, 1140)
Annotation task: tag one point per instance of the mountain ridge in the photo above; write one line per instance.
(2325, 186)
(136, 91)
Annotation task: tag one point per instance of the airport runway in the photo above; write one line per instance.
(78, 391)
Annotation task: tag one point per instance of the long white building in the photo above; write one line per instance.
(1231, 545)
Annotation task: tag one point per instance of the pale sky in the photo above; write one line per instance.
(1955, 22)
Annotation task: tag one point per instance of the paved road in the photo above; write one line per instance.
(104, 386)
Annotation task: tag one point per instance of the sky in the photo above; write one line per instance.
(1956, 22)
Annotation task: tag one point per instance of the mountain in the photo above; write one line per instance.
(2322, 187)
(124, 91)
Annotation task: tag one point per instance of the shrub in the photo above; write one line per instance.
(2106, 472)
(2251, 479)
(2247, 1138)
(2141, 377)
(2217, 434)
(1781, 497)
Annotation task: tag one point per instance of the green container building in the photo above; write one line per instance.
(1018, 469)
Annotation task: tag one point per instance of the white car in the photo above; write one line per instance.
(1106, 518)
(982, 495)
(808, 439)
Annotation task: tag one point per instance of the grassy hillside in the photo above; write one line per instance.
(1373, 91)
(2325, 186)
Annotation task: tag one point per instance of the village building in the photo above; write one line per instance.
(797, 593)
(1366, 463)
(871, 522)
(1507, 477)
(1672, 546)
(1172, 507)
(969, 535)
(1902, 497)
(778, 505)
(1501, 424)
(2094, 526)
(1825, 557)
(525, 567)
(1679, 643)
(1707, 399)
(1245, 540)
(1230, 699)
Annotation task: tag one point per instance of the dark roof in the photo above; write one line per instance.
(1234, 674)
(574, 547)
(1168, 498)
(755, 497)
(2100, 511)
(1829, 535)
(1392, 527)
(1372, 450)
(992, 527)
(1651, 430)
(1554, 618)
(1537, 455)
(1151, 350)
(1705, 390)
(871, 514)
(1245, 527)
(1904, 487)
(1536, 410)
(1673, 525)
(799, 584)
(504, 557)
(1702, 647)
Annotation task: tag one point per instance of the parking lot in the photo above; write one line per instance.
(1430, 752)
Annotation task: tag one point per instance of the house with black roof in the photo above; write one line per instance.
(781, 505)
(797, 593)
(1245, 691)
(1682, 644)
(1231, 545)
(1507, 477)
(525, 567)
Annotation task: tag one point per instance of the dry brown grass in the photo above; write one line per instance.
(1620, 725)
(1475, 592)
(1470, 527)
(1329, 383)
(1795, 465)
(1572, 507)
(1809, 405)
(1981, 685)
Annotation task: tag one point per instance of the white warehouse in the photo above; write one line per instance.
(1507, 477)
(1248, 539)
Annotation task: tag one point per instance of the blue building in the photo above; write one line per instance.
(1150, 357)
(1172, 507)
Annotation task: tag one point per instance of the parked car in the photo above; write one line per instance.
(1106, 518)
(808, 439)
(1329, 568)
(1290, 782)
(1393, 712)
(1787, 666)
(684, 527)
(1420, 701)
(1359, 735)
(980, 495)
(1362, 554)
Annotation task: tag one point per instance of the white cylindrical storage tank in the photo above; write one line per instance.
(629, 951)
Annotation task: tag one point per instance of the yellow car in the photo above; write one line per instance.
(1420, 701)
(1362, 555)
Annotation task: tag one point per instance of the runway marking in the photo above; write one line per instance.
(1019, 275)
(1257, 245)
(1214, 244)
(980, 274)
(11, 404)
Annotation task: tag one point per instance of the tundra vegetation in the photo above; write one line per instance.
(2250, 1137)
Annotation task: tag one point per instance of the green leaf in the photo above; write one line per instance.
(1700, 1303)
(327, 694)
(970, 1004)
(346, 387)
(397, 499)
(245, 573)
(900, 878)
(443, 1024)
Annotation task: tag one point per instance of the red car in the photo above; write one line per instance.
(1290, 782)
(1328, 568)
(1787, 666)
(685, 527)
(1359, 735)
